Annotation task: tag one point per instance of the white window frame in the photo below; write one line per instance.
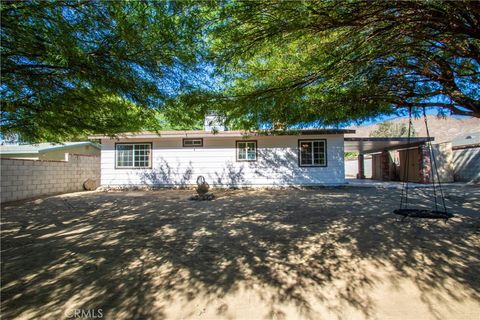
(246, 142)
(199, 142)
(149, 154)
(312, 164)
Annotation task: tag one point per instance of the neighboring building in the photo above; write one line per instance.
(466, 157)
(48, 151)
(466, 141)
(225, 158)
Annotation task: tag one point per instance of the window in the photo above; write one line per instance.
(133, 155)
(193, 142)
(312, 153)
(246, 150)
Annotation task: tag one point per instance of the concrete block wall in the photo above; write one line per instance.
(23, 179)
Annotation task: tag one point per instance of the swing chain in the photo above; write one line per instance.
(405, 182)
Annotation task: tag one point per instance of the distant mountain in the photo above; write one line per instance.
(442, 129)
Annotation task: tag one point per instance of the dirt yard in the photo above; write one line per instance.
(334, 253)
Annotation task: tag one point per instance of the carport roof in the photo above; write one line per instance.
(372, 145)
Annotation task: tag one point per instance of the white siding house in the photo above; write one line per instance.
(225, 159)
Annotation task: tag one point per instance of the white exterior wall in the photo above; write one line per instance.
(276, 165)
(351, 168)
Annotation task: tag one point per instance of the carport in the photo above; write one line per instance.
(391, 155)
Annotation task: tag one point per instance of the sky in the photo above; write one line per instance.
(380, 119)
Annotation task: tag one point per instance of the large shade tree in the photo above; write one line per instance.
(70, 68)
(298, 62)
(73, 67)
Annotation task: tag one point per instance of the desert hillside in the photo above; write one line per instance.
(443, 129)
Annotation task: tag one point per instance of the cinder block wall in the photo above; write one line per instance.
(22, 179)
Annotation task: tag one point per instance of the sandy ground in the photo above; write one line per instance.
(271, 254)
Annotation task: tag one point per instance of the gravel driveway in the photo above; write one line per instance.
(333, 253)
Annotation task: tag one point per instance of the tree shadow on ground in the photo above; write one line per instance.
(144, 255)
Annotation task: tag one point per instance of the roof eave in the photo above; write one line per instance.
(220, 134)
(19, 152)
(60, 147)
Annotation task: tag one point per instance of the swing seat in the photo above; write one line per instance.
(423, 213)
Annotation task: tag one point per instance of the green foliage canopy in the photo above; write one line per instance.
(298, 62)
(70, 68)
(74, 67)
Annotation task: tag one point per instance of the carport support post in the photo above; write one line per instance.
(361, 167)
(425, 164)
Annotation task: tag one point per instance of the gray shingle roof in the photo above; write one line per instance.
(41, 147)
(466, 139)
